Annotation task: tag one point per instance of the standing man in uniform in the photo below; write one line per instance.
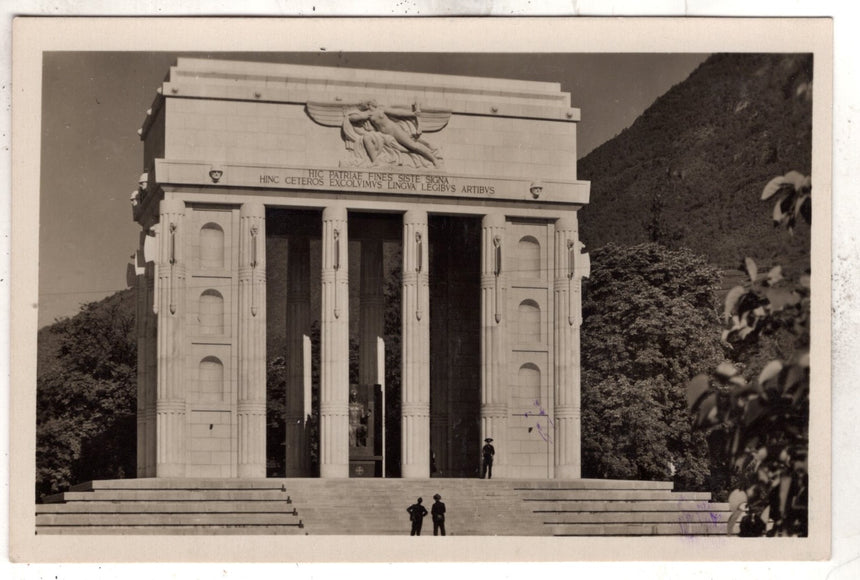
(438, 512)
(416, 515)
(488, 452)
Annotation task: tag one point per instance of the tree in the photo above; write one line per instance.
(649, 323)
(86, 397)
(759, 426)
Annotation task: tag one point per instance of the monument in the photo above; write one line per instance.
(272, 199)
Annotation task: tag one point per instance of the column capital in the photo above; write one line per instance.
(566, 223)
(415, 216)
(253, 209)
(493, 220)
(171, 206)
(334, 212)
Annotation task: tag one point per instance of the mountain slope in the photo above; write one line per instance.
(690, 170)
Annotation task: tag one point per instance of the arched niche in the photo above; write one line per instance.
(528, 257)
(211, 246)
(210, 377)
(211, 312)
(527, 390)
(528, 322)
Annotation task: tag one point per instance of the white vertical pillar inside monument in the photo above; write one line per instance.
(371, 324)
(334, 346)
(415, 406)
(494, 409)
(371, 314)
(170, 401)
(251, 406)
(566, 292)
(298, 325)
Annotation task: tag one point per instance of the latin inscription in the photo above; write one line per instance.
(376, 181)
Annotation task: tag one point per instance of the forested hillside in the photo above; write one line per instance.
(689, 172)
(87, 395)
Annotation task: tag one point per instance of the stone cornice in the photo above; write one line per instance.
(298, 84)
(433, 185)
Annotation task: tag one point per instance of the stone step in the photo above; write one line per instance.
(576, 506)
(592, 484)
(454, 527)
(205, 506)
(168, 495)
(550, 495)
(176, 483)
(703, 517)
(184, 519)
(638, 529)
(247, 529)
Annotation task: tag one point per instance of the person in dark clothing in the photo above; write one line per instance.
(438, 513)
(488, 452)
(416, 515)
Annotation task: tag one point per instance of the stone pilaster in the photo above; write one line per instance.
(334, 347)
(415, 407)
(494, 351)
(298, 325)
(170, 401)
(567, 308)
(251, 405)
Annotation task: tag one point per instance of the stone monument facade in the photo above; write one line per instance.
(272, 199)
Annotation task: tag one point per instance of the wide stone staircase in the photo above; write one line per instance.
(378, 507)
(170, 506)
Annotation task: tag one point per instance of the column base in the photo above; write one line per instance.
(567, 472)
(251, 471)
(170, 470)
(415, 471)
(334, 471)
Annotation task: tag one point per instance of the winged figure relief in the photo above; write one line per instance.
(378, 135)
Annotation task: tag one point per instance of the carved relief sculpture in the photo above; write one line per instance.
(380, 136)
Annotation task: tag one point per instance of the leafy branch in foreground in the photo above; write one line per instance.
(760, 427)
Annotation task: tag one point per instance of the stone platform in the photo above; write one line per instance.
(585, 507)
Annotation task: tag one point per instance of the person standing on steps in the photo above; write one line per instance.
(416, 515)
(438, 512)
(488, 452)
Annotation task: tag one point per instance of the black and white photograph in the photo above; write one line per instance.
(318, 293)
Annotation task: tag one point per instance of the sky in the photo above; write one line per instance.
(94, 102)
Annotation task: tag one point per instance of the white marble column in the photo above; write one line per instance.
(567, 308)
(170, 401)
(494, 351)
(298, 325)
(251, 407)
(334, 347)
(415, 402)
